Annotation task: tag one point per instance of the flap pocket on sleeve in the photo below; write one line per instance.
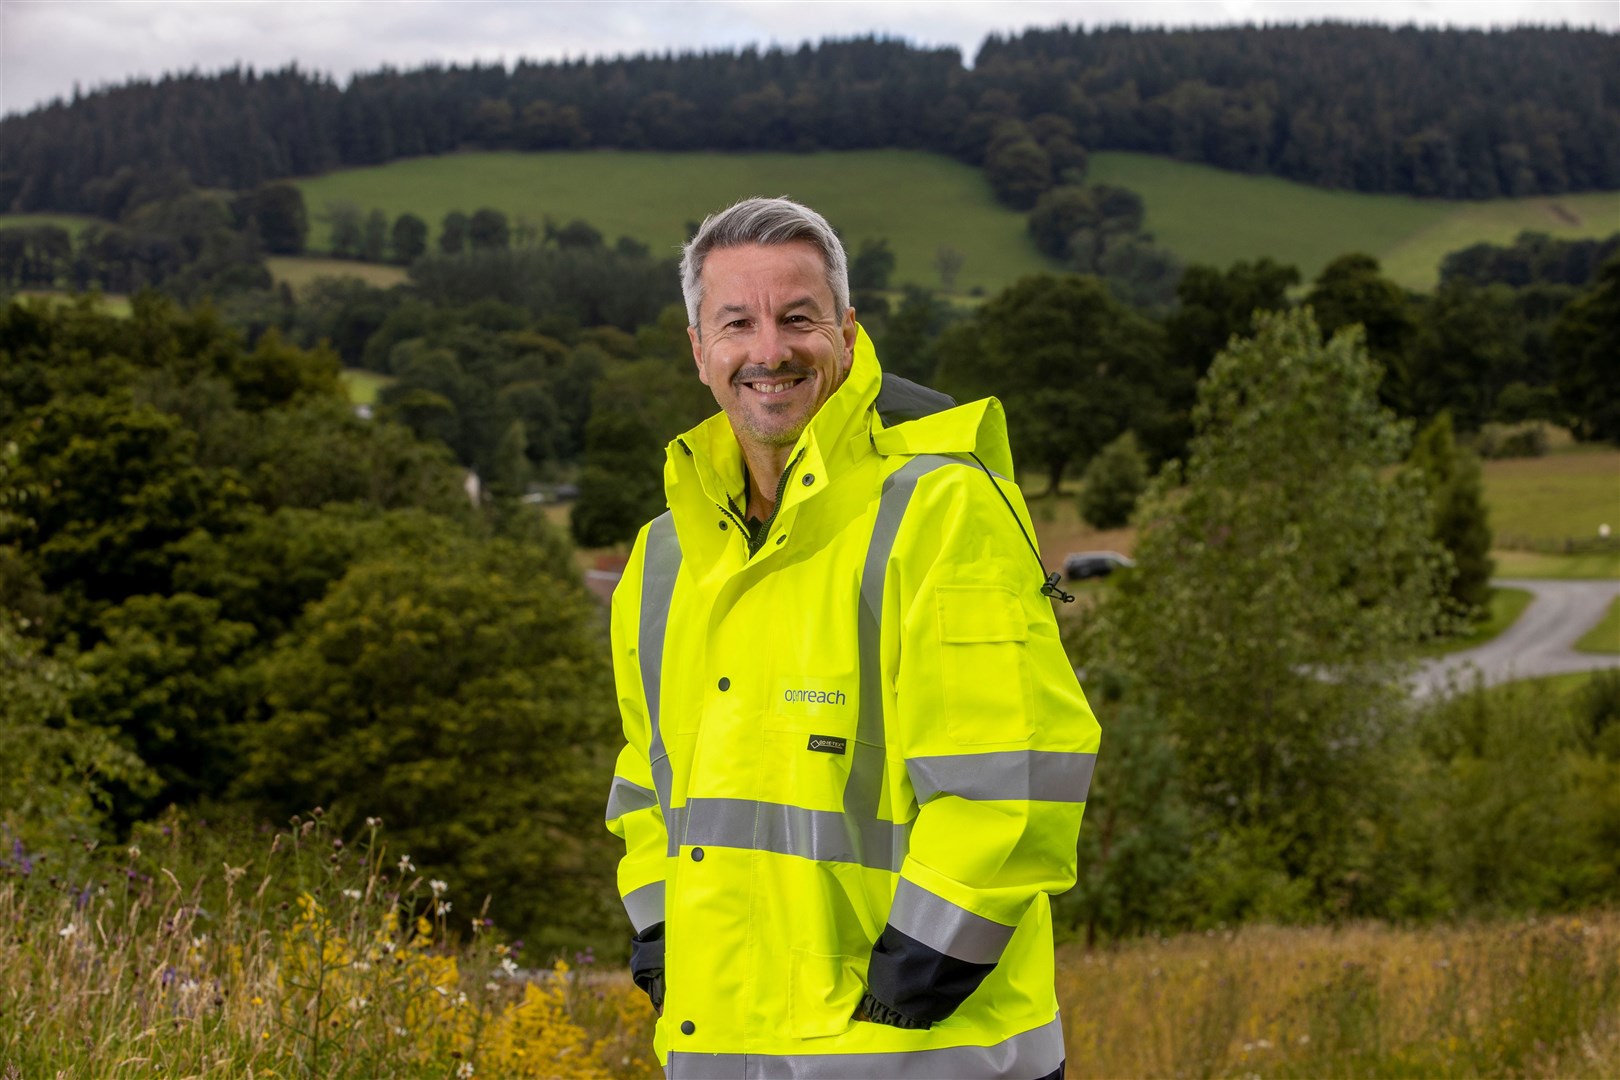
(971, 614)
(983, 636)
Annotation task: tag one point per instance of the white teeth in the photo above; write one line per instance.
(774, 387)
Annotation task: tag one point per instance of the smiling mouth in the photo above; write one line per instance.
(777, 383)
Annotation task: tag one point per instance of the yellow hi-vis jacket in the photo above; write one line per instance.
(857, 756)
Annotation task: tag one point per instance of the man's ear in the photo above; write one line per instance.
(697, 354)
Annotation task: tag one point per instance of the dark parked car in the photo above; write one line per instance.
(1079, 565)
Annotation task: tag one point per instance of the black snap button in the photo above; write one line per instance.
(697, 854)
(809, 478)
(725, 684)
(722, 526)
(687, 1027)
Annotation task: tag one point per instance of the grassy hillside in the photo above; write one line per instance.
(918, 201)
(73, 223)
(1210, 216)
(300, 270)
(1538, 503)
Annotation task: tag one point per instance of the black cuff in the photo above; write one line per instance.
(647, 962)
(879, 1013)
(919, 980)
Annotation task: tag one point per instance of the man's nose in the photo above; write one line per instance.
(771, 346)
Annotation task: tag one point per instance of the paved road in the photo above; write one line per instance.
(1540, 642)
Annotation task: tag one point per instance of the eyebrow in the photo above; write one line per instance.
(805, 301)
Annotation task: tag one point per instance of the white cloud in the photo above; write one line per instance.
(48, 46)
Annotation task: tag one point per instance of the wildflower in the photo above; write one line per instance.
(352, 894)
(464, 1070)
(67, 931)
(401, 1032)
(258, 1000)
(492, 987)
(134, 852)
(405, 864)
(509, 966)
(444, 907)
(437, 886)
(373, 822)
(264, 1034)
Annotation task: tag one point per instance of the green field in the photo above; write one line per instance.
(73, 223)
(918, 201)
(1605, 636)
(300, 270)
(364, 386)
(1209, 216)
(1539, 504)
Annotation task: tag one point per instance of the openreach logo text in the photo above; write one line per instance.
(815, 697)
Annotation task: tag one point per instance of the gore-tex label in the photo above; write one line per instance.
(827, 744)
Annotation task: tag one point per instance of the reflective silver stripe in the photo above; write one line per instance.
(1024, 775)
(863, 792)
(1033, 1053)
(823, 835)
(626, 798)
(947, 928)
(661, 564)
(645, 905)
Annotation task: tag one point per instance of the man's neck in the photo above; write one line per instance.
(765, 466)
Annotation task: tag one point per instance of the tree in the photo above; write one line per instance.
(1587, 336)
(488, 230)
(948, 262)
(1460, 520)
(1113, 480)
(374, 237)
(408, 239)
(1074, 367)
(869, 270)
(1281, 580)
(1352, 290)
(277, 211)
(463, 695)
(347, 232)
(453, 233)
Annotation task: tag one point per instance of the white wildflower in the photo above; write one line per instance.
(509, 966)
(353, 894)
(405, 864)
(443, 908)
(492, 987)
(437, 886)
(464, 1070)
(67, 931)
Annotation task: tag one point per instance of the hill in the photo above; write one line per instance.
(920, 201)
(917, 200)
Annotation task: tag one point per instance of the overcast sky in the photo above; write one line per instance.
(46, 46)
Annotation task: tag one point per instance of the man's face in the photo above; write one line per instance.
(772, 346)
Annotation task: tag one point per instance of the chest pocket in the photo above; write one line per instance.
(810, 741)
(984, 639)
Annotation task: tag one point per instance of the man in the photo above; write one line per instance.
(857, 757)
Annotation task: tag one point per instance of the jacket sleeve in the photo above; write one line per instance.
(994, 735)
(633, 811)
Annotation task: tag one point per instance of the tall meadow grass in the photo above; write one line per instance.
(312, 957)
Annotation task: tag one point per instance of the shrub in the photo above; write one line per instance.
(1114, 480)
(1527, 439)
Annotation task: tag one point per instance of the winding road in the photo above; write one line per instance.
(1540, 642)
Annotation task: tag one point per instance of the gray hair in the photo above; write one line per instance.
(764, 221)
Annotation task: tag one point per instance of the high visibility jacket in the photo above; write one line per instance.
(856, 758)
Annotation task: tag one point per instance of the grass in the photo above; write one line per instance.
(918, 201)
(206, 955)
(363, 385)
(1605, 636)
(1524, 998)
(1504, 608)
(1534, 564)
(299, 270)
(73, 223)
(1553, 502)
